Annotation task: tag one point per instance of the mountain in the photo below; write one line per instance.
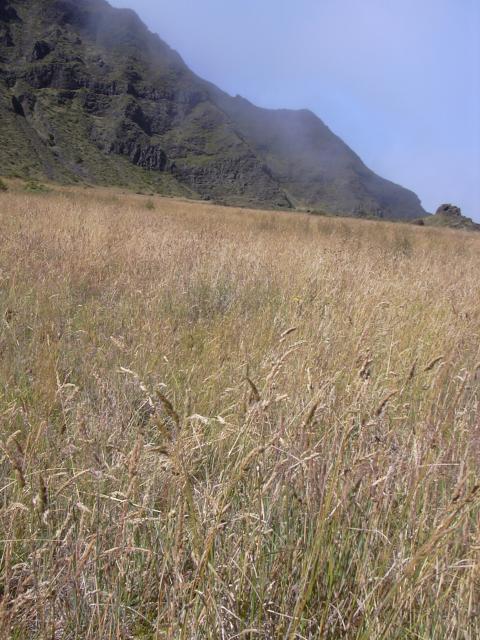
(89, 94)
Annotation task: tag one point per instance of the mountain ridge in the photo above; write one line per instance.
(89, 94)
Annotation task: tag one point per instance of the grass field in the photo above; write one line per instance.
(220, 423)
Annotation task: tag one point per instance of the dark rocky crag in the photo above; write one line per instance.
(88, 94)
(448, 215)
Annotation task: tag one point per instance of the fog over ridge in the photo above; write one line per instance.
(399, 82)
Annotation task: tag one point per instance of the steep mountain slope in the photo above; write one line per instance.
(314, 166)
(87, 93)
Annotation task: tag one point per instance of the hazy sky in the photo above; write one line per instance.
(398, 80)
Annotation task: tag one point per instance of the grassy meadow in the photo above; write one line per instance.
(221, 424)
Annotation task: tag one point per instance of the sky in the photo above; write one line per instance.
(397, 80)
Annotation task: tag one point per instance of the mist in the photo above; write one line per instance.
(398, 81)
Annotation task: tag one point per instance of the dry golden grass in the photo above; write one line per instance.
(232, 424)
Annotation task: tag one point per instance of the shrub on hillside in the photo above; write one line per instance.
(36, 187)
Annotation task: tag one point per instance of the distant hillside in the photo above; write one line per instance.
(448, 215)
(88, 94)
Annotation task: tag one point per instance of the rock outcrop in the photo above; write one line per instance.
(448, 215)
(449, 210)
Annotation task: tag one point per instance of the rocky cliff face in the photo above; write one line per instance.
(87, 93)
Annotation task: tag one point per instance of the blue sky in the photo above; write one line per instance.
(398, 80)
